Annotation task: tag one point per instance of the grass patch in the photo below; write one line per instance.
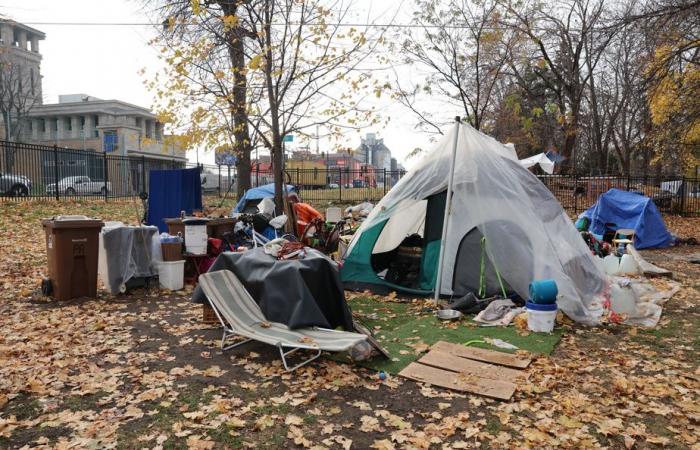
(23, 407)
(83, 402)
(398, 326)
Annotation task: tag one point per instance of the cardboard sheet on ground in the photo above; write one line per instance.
(407, 332)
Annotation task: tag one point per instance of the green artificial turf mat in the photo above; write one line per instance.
(405, 329)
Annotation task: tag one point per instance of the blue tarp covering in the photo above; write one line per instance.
(258, 193)
(172, 191)
(629, 210)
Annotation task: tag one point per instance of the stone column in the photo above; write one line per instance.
(75, 127)
(22, 39)
(158, 131)
(35, 44)
(89, 127)
(61, 128)
(48, 126)
(6, 34)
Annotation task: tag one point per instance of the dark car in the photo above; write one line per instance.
(15, 185)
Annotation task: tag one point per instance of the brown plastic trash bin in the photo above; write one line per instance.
(72, 247)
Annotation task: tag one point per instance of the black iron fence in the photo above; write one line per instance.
(671, 194)
(37, 171)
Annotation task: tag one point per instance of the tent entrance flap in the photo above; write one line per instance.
(434, 217)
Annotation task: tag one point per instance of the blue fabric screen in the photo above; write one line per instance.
(172, 191)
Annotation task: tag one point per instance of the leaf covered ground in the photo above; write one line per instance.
(142, 371)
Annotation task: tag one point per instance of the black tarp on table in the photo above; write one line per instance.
(299, 293)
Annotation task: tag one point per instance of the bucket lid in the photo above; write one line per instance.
(195, 221)
(72, 222)
(541, 307)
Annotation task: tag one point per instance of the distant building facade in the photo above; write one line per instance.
(20, 64)
(111, 126)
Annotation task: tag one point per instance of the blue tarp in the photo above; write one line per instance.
(258, 193)
(172, 191)
(629, 210)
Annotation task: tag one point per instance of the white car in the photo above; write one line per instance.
(79, 185)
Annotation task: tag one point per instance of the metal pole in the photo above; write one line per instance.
(55, 169)
(446, 217)
(143, 173)
(104, 155)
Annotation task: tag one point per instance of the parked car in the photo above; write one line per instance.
(79, 185)
(14, 185)
(333, 186)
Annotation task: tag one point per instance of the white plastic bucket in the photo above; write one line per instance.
(541, 318)
(171, 274)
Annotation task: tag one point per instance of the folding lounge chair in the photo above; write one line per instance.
(240, 315)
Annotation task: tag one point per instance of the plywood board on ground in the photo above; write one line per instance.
(447, 361)
(480, 354)
(462, 382)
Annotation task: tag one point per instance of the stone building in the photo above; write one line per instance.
(84, 122)
(20, 63)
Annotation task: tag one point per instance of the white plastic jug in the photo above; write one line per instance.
(628, 266)
(611, 264)
(622, 300)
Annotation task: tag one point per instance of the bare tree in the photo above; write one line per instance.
(462, 48)
(17, 98)
(568, 39)
(309, 70)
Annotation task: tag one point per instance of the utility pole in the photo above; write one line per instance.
(317, 138)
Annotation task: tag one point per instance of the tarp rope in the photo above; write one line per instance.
(482, 272)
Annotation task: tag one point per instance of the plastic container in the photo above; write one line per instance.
(171, 275)
(333, 214)
(196, 236)
(72, 244)
(611, 264)
(543, 292)
(541, 318)
(628, 266)
(622, 300)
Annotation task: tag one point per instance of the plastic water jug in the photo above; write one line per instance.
(628, 266)
(622, 300)
(611, 264)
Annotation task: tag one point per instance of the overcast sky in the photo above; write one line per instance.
(103, 61)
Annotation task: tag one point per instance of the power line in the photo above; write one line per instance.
(338, 24)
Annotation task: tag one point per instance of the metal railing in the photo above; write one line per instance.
(50, 172)
(671, 194)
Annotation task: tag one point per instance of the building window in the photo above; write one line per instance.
(42, 128)
(31, 79)
(69, 124)
(96, 132)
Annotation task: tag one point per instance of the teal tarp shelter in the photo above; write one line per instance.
(502, 218)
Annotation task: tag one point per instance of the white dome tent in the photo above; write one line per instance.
(502, 220)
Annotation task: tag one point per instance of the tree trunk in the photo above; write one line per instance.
(241, 136)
